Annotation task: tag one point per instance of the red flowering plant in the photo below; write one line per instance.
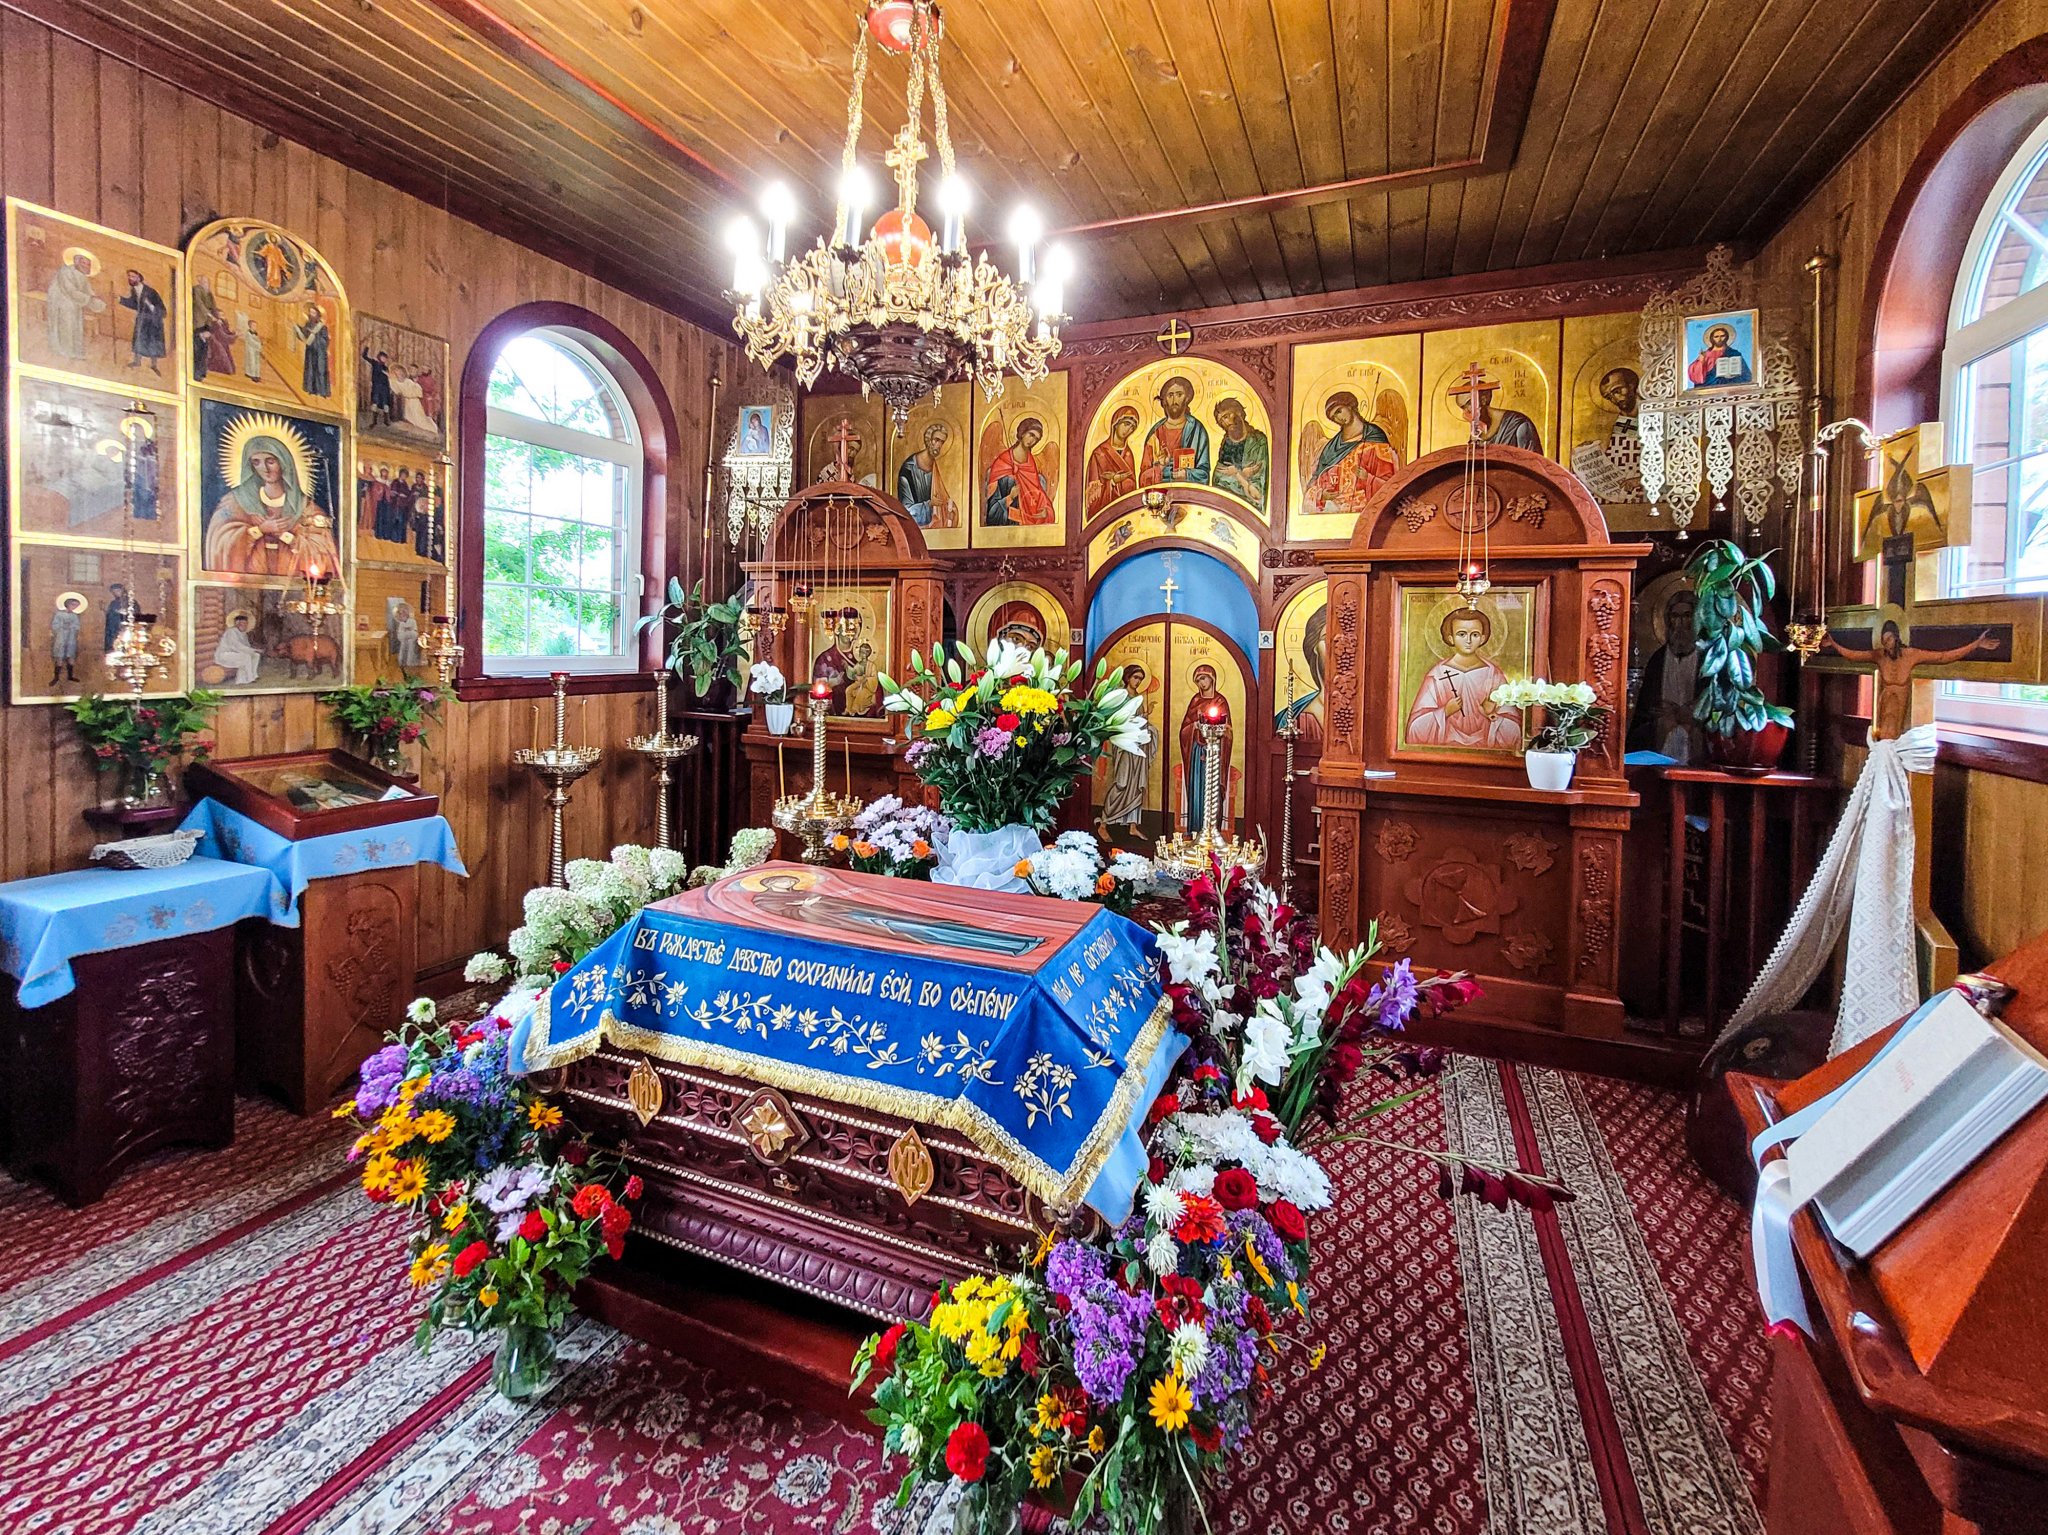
(507, 1212)
(385, 716)
(148, 735)
(1115, 1375)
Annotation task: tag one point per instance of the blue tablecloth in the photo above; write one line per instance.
(47, 922)
(295, 865)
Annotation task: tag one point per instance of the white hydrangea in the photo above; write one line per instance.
(667, 869)
(579, 874)
(488, 966)
(1162, 1253)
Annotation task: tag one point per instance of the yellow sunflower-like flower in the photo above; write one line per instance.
(1171, 1403)
(344, 1110)
(435, 1126)
(377, 1172)
(1043, 1465)
(408, 1180)
(1315, 1356)
(412, 1087)
(1098, 1441)
(984, 1353)
(543, 1116)
(1294, 1297)
(939, 719)
(431, 1266)
(1048, 1239)
(457, 1214)
(396, 1124)
(1029, 700)
(1048, 1413)
(487, 1296)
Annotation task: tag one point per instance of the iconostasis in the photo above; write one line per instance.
(213, 438)
(1241, 456)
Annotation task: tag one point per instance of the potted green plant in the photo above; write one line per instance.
(143, 739)
(384, 718)
(1745, 731)
(705, 648)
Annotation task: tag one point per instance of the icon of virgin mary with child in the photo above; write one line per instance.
(270, 522)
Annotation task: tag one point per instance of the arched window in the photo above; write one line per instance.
(1995, 399)
(564, 495)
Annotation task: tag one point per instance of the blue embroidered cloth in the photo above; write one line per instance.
(295, 865)
(1036, 1028)
(47, 922)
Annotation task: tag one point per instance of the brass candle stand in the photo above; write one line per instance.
(558, 766)
(661, 749)
(819, 816)
(1289, 733)
(1182, 857)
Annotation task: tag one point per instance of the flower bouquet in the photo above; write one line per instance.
(1074, 868)
(507, 1215)
(143, 738)
(891, 837)
(386, 717)
(1114, 1376)
(1002, 738)
(1572, 721)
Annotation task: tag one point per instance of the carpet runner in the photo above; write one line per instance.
(223, 1347)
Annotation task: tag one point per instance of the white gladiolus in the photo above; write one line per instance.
(1190, 961)
(1267, 1039)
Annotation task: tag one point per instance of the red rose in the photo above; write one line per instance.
(470, 1257)
(1155, 1170)
(885, 1349)
(967, 1452)
(1288, 1221)
(634, 1186)
(1236, 1189)
(560, 967)
(533, 1228)
(1266, 1128)
(1008, 721)
(589, 1200)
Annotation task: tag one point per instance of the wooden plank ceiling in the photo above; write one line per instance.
(1377, 141)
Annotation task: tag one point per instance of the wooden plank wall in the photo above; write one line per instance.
(94, 137)
(1990, 830)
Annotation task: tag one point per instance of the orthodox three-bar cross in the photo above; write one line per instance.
(842, 439)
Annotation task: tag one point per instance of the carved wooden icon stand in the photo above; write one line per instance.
(1924, 1392)
(834, 536)
(315, 999)
(1464, 865)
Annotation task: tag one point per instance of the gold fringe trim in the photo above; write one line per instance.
(952, 1113)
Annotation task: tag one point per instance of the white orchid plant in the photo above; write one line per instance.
(1572, 715)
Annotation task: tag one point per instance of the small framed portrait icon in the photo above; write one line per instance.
(1720, 352)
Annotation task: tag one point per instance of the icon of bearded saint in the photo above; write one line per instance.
(268, 524)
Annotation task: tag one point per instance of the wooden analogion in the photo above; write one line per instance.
(1429, 824)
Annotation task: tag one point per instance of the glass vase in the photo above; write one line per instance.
(387, 753)
(525, 1361)
(143, 786)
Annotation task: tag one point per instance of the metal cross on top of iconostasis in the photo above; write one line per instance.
(1176, 337)
(1911, 637)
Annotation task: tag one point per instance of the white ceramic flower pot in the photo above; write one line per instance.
(1550, 770)
(986, 860)
(780, 717)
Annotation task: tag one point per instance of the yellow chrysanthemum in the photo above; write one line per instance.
(1098, 1441)
(1043, 1465)
(431, 1266)
(1170, 1402)
(408, 1180)
(543, 1116)
(1049, 1413)
(435, 1126)
(457, 1214)
(344, 1111)
(377, 1172)
(487, 1296)
(939, 719)
(1029, 700)
(982, 1353)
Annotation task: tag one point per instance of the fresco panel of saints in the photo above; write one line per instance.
(1177, 447)
(1342, 469)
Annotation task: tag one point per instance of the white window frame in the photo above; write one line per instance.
(630, 454)
(1968, 342)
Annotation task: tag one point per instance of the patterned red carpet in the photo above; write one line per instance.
(223, 1348)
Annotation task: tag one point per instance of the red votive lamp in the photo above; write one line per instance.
(821, 689)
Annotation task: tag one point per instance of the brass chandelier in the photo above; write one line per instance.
(887, 305)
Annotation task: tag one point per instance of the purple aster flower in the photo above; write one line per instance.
(1394, 995)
